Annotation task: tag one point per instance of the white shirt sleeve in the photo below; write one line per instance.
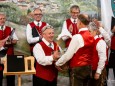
(40, 56)
(76, 43)
(101, 48)
(14, 35)
(65, 34)
(106, 35)
(29, 36)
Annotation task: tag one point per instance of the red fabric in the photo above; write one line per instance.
(48, 72)
(83, 56)
(39, 30)
(3, 34)
(113, 42)
(95, 58)
(74, 31)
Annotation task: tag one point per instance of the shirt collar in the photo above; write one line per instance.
(83, 29)
(96, 37)
(46, 42)
(36, 23)
(73, 20)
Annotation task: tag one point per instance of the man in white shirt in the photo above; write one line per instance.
(79, 53)
(8, 33)
(99, 58)
(46, 53)
(33, 31)
(69, 26)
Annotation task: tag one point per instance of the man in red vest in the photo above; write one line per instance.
(6, 31)
(98, 59)
(46, 52)
(79, 53)
(69, 26)
(33, 31)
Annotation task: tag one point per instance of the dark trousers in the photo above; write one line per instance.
(42, 82)
(10, 80)
(1, 77)
(112, 61)
(100, 81)
(80, 76)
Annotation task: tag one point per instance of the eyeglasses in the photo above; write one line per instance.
(38, 14)
(75, 12)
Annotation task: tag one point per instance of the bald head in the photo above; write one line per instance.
(84, 18)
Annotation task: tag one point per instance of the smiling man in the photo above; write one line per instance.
(46, 53)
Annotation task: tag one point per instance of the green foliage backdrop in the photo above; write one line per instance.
(56, 11)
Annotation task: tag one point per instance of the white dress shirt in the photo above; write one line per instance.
(65, 34)
(101, 49)
(76, 43)
(106, 36)
(30, 38)
(39, 54)
(14, 35)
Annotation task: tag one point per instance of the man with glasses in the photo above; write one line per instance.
(69, 26)
(33, 31)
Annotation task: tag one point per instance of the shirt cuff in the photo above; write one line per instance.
(99, 71)
(50, 58)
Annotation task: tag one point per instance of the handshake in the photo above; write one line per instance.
(56, 55)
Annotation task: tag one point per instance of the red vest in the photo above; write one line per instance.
(39, 30)
(74, 31)
(113, 42)
(95, 58)
(48, 72)
(83, 56)
(3, 34)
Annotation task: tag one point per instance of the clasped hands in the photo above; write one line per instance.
(56, 56)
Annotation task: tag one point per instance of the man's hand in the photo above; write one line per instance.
(2, 42)
(59, 68)
(56, 55)
(98, 24)
(70, 29)
(96, 76)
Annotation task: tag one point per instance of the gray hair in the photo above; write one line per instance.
(3, 13)
(92, 26)
(47, 27)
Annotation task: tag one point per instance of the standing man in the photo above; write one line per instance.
(46, 53)
(33, 32)
(69, 26)
(6, 31)
(99, 58)
(79, 53)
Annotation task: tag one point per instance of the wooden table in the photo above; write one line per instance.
(27, 71)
